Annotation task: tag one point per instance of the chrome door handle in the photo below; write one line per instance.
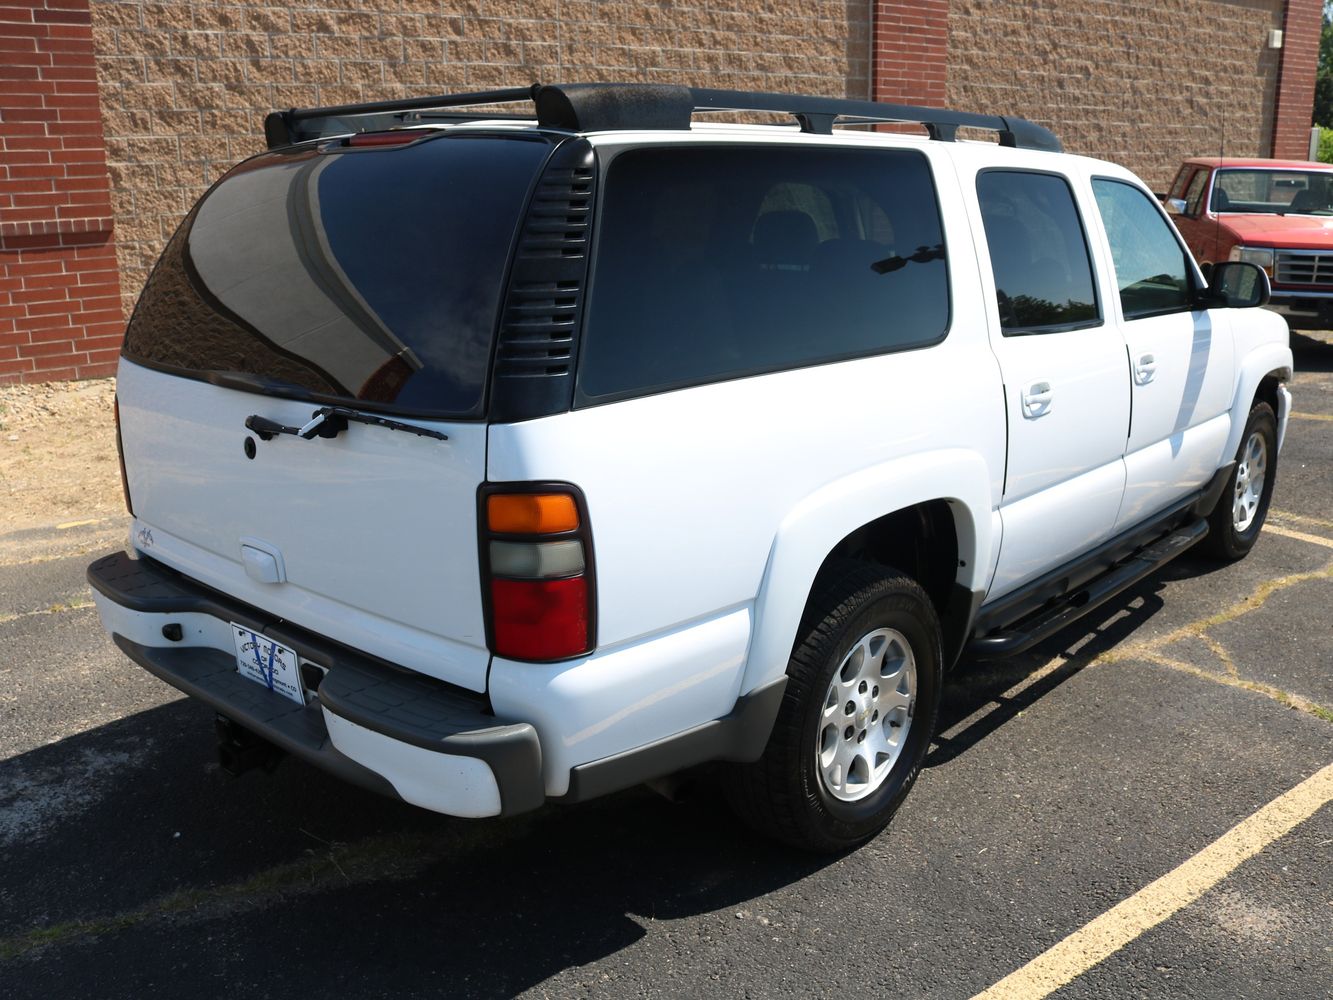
(1037, 400)
(1144, 369)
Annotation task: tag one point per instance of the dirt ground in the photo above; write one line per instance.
(57, 454)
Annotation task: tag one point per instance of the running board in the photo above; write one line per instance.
(1045, 623)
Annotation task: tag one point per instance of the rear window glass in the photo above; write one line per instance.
(369, 275)
(715, 262)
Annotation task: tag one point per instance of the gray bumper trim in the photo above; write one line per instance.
(740, 736)
(210, 675)
(396, 703)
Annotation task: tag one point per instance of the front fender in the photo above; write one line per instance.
(1252, 366)
(824, 518)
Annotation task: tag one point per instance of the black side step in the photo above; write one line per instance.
(1045, 623)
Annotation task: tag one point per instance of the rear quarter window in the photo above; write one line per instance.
(717, 262)
(365, 275)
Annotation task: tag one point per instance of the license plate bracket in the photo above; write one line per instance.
(268, 663)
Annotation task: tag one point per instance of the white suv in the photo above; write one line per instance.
(487, 460)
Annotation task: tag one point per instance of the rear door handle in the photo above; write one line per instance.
(1145, 369)
(1037, 400)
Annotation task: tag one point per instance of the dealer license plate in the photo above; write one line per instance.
(268, 663)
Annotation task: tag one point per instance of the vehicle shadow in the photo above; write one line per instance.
(129, 857)
(1310, 353)
(981, 696)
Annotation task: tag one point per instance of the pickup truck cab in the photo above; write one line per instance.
(1277, 214)
(493, 460)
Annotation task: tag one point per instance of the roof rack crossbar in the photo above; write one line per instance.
(600, 107)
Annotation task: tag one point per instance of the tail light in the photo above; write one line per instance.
(120, 453)
(537, 571)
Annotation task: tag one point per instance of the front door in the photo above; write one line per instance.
(1181, 359)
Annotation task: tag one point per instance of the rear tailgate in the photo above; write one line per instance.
(376, 529)
(366, 277)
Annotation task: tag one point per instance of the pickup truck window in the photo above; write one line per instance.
(1039, 253)
(1194, 193)
(1274, 192)
(1150, 264)
(715, 262)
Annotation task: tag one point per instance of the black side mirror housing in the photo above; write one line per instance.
(1238, 284)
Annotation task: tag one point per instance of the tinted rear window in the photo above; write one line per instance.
(1039, 253)
(370, 275)
(715, 262)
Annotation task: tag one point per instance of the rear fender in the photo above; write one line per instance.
(819, 522)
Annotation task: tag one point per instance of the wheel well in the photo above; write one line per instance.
(921, 541)
(1267, 391)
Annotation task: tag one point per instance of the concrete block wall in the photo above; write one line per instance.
(1143, 84)
(185, 85)
(60, 306)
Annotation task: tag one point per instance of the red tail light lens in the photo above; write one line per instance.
(540, 619)
(120, 453)
(537, 571)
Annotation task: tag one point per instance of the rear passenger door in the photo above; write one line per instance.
(1181, 358)
(1065, 380)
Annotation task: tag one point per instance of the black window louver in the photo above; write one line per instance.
(537, 345)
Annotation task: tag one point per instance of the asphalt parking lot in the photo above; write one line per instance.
(1074, 826)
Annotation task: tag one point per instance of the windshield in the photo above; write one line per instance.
(343, 274)
(1274, 192)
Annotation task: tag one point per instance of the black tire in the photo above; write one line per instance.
(783, 795)
(1225, 541)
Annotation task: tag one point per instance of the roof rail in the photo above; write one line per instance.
(603, 107)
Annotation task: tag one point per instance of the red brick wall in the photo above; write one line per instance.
(60, 311)
(911, 51)
(1295, 88)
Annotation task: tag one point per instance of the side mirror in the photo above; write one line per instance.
(1175, 206)
(1238, 284)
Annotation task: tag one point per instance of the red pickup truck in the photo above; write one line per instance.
(1274, 213)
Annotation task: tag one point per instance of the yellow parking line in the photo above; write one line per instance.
(1300, 536)
(79, 524)
(1327, 417)
(1286, 515)
(1118, 926)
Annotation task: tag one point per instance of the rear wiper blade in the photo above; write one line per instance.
(330, 421)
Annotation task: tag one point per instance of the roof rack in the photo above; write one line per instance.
(603, 107)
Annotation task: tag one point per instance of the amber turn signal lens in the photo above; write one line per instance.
(531, 513)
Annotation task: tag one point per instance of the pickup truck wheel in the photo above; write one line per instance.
(1235, 523)
(862, 695)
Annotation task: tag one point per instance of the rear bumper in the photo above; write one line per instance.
(389, 730)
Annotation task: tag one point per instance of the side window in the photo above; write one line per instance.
(1151, 268)
(715, 262)
(1039, 253)
(1194, 193)
(1178, 185)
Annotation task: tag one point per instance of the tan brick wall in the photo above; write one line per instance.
(1145, 84)
(185, 85)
